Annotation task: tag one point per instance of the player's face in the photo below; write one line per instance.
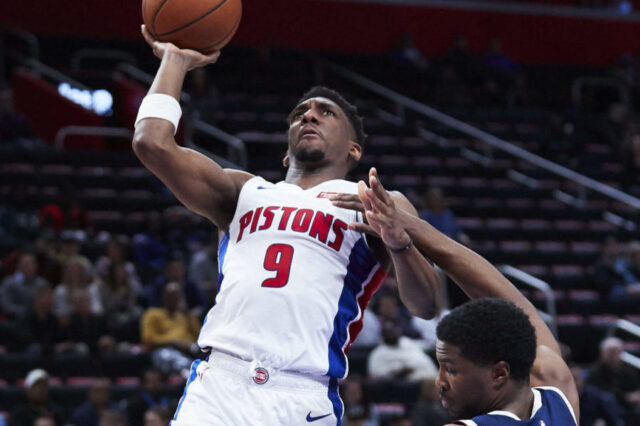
(319, 132)
(463, 385)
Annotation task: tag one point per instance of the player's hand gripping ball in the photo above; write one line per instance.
(202, 25)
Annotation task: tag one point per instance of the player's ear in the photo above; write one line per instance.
(355, 151)
(285, 160)
(500, 373)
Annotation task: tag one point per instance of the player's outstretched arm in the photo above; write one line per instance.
(419, 284)
(198, 182)
(478, 278)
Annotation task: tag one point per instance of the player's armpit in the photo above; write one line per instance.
(549, 369)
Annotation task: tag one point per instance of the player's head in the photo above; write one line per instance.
(484, 348)
(324, 128)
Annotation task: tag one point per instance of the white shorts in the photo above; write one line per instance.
(229, 391)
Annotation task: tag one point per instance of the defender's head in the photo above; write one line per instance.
(484, 348)
(324, 128)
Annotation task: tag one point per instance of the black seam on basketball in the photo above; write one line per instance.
(194, 21)
(234, 28)
(154, 33)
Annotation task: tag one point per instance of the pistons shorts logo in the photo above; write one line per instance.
(542, 423)
(260, 376)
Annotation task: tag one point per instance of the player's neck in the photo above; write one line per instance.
(517, 400)
(307, 177)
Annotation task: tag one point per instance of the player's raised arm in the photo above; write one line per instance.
(478, 278)
(419, 284)
(198, 182)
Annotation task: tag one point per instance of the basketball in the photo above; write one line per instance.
(202, 25)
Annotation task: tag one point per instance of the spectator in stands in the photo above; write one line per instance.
(496, 60)
(356, 406)
(85, 329)
(465, 63)
(157, 416)
(15, 128)
(611, 374)
(370, 335)
(98, 400)
(399, 357)
(171, 325)
(38, 403)
(119, 294)
(114, 255)
(203, 269)
(17, 218)
(175, 272)
(45, 421)
(77, 275)
(596, 405)
(40, 327)
(608, 268)
(17, 290)
(114, 418)
(150, 396)
(149, 248)
(66, 213)
(180, 228)
(626, 294)
(46, 250)
(428, 411)
(437, 213)
(389, 309)
(407, 57)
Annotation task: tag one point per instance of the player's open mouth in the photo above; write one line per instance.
(309, 132)
(444, 402)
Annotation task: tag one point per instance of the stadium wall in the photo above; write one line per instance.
(362, 27)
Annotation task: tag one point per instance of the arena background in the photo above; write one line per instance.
(522, 113)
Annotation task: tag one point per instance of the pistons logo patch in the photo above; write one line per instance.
(260, 376)
(326, 194)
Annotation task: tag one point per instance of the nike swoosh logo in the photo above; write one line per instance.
(265, 187)
(313, 419)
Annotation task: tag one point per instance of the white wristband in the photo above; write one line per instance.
(158, 105)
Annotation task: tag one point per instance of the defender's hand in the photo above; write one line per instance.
(191, 58)
(381, 212)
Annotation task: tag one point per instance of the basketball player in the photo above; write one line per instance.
(499, 363)
(294, 280)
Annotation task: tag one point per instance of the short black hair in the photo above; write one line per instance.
(350, 110)
(491, 330)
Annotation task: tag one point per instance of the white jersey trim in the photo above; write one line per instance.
(537, 404)
(564, 398)
(467, 422)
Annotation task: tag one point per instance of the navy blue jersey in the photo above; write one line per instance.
(550, 408)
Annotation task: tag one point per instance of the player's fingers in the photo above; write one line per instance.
(362, 194)
(344, 197)
(363, 228)
(378, 189)
(378, 206)
(213, 57)
(147, 36)
(350, 205)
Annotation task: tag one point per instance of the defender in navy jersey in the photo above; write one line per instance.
(499, 363)
(294, 277)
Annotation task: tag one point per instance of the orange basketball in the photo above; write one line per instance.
(203, 25)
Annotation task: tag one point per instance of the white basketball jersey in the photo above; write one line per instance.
(294, 280)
